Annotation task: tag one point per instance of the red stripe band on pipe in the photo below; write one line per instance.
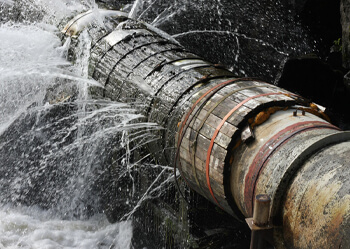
(217, 87)
(211, 91)
(217, 132)
(267, 150)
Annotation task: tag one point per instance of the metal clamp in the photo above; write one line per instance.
(78, 23)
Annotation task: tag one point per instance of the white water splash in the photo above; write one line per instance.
(6, 1)
(28, 61)
(33, 228)
(31, 61)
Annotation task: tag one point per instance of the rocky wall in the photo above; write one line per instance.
(345, 21)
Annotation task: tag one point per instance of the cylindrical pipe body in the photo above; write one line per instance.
(266, 165)
(309, 209)
(316, 210)
(204, 109)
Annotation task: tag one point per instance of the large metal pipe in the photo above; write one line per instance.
(235, 138)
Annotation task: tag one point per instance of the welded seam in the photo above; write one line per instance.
(334, 138)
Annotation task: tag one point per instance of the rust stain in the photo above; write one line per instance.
(315, 111)
(319, 216)
(267, 150)
(239, 142)
(262, 116)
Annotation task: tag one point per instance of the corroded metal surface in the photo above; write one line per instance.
(266, 151)
(317, 205)
(261, 214)
(269, 164)
(210, 130)
(258, 167)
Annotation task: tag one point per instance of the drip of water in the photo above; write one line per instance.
(138, 4)
(250, 37)
(155, 189)
(235, 34)
(146, 9)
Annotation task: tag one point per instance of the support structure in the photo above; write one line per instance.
(260, 224)
(234, 138)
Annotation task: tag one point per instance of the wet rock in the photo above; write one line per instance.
(318, 81)
(123, 5)
(310, 76)
(347, 81)
(28, 166)
(345, 21)
(321, 19)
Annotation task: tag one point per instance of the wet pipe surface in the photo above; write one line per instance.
(168, 87)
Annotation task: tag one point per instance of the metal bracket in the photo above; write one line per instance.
(260, 224)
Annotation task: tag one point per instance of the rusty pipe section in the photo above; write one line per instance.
(310, 197)
(231, 138)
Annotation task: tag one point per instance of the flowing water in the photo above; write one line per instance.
(58, 146)
(61, 150)
(252, 38)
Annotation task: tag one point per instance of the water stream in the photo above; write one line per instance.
(59, 148)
